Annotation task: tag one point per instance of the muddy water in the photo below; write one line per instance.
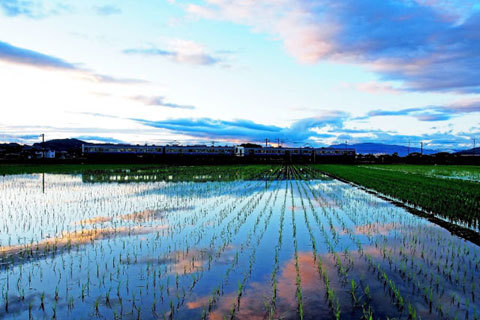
(287, 249)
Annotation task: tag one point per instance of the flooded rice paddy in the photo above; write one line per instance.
(286, 246)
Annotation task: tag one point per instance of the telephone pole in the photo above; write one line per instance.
(473, 146)
(43, 145)
(408, 147)
(266, 143)
(421, 148)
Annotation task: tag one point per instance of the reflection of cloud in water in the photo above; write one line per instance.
(69, 239)
(224, 188)
(252, 304)
(151, 214)
(141, 216)
(183, 262)
(198, 303)
(375, 229)
(93, 220)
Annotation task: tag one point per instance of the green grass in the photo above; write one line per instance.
(454, 199)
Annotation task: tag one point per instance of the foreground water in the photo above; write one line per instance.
(276, 248)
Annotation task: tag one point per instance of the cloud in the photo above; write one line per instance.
(160, 101)
(14, 8)
(17, 55)
(180, 51)
(326, 128)
(10, 53)
(426, 45)
(19, 138)
(99, 139)
(300, 132)
(97, 114)
(374, 88)
(431, 113)
(110, 79)
(32, 9)
(107, 10)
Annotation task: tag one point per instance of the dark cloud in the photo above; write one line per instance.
(12, 54)
(430, 113)
(160, 101)
(407, 41)
(311, 131)
(426, 45)
(99, 139)
(300, 132)
(19, 55)
(107, 10)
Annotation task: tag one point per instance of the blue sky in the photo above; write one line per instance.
(307, 72)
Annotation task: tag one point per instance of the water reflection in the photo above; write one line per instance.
(156, 248)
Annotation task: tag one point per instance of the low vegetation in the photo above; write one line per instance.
(454, 199)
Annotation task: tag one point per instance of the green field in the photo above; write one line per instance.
(452, 192)
(66, 168)
(455, 199)
(160, 170)
(234, 242)
(471, 173)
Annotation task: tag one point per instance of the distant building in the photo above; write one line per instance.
(47, 154)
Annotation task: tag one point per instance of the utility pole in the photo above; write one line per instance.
(43, 145)
(421, 147)
(473, 146)
(408, 147)
(266, 143)
(278, 142)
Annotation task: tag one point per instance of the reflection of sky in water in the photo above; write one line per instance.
(179, 243)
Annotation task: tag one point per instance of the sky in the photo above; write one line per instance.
(303, 72)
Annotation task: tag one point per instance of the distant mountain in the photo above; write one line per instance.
(12, 146)
(373, 148)
(61, 144)
(470, 151)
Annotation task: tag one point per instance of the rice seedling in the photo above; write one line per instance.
(211, 242)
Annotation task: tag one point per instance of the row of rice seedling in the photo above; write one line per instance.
(101, 276)
(456, 200)
(359, 298)
(427, 291)
(274, 276)
(218, 290)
